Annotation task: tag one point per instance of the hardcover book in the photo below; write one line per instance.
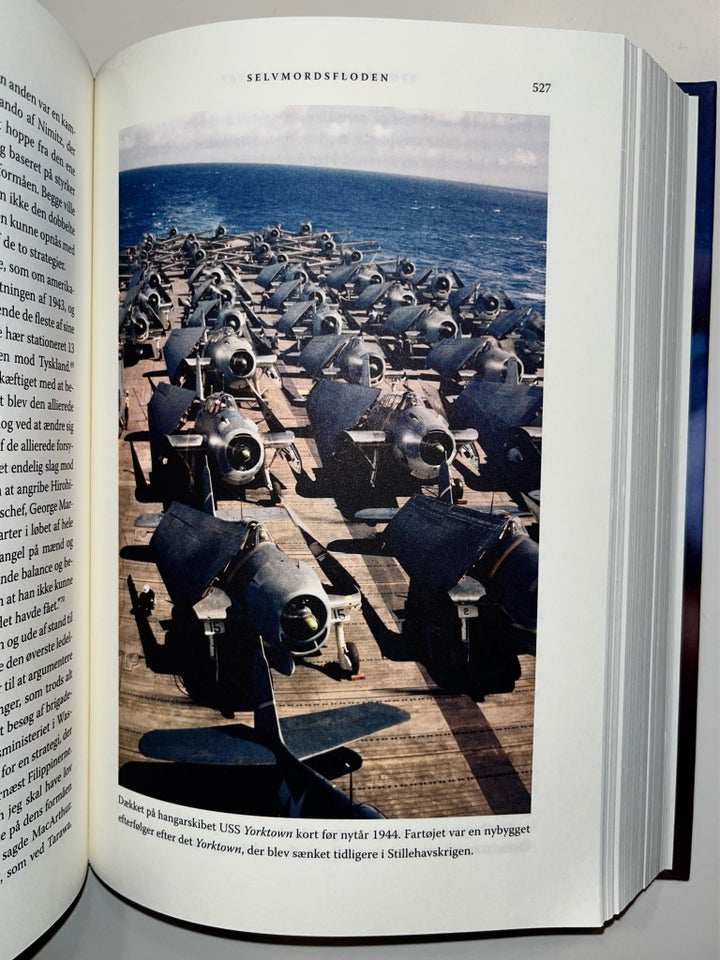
(351, 439)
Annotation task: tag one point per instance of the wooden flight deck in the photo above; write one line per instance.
(453, 757)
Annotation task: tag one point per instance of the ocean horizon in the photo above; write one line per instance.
(494, 236)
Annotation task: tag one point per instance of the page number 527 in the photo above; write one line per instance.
(541, 88)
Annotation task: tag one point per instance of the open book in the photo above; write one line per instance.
(283, 611)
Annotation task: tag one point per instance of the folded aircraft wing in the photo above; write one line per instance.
(294, 314)
(461, 295)
(284, 290)
(401, 319)
(492, 408)
(266, 276)
(199, 315)
(342, 274)
(129, 300)
(179, 345)
(191, 548)
(370, 295)
(504, 322)
(320, 351)
(449, 356)
(167, 406)
(335, 407)
(436, 542)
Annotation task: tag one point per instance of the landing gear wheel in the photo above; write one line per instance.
(353, 656)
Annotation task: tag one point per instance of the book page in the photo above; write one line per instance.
(45, 166)
(496, 180)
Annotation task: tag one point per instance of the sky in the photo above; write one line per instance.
(504, 150)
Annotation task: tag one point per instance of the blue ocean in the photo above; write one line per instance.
(488, 235)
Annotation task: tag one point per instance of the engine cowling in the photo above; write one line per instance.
(365, 276)
(509, 573)
(232, 356)
(442, 284)
(282, 599)
(437, 325)
(494, 363)
(353, 360)
(234, 445)
(327, 321)
(313, 291)
(400, 295)
(422, 440)
(487, 303)
(230, 317)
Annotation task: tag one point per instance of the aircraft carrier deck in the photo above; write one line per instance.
(453, 757)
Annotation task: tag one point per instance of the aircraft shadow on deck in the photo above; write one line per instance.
(245, 790)
(491, 666)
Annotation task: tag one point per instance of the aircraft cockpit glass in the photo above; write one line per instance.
(219, 401)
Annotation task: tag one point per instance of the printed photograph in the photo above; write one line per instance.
(331, 365)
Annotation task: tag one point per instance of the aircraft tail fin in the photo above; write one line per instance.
(267, 725)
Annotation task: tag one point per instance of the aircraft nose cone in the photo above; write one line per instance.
(241, 363)
(447, 331)
(243, 453)
(434, 449)
(306, 615)
(302, 625)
